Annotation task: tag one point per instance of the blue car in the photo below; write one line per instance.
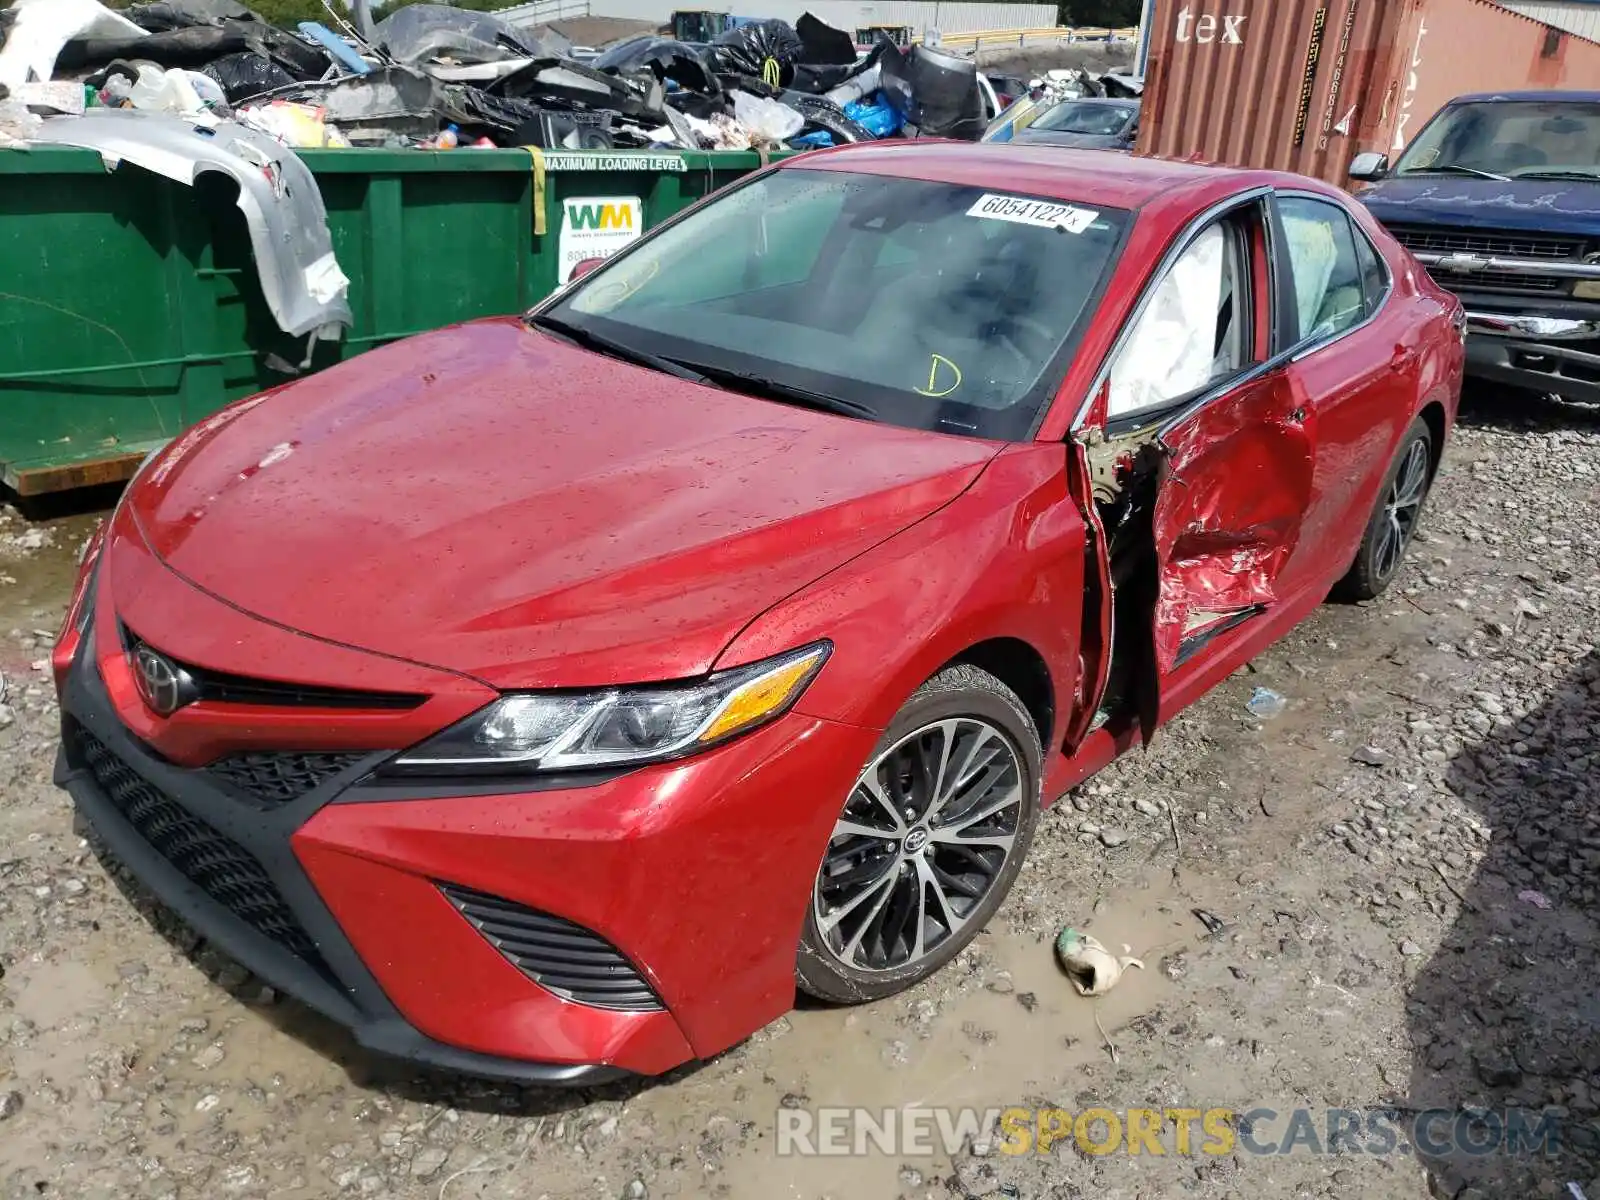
(1499, 197)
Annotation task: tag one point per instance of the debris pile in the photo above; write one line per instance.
(434, 77)
(187, 88)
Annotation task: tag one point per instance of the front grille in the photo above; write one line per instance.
(217, 865)
(569, 960)
(1426, 239)
(277, 779)
(223, 688)
(1479, 241)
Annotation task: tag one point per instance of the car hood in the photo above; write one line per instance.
(496, 502)
(1535, 205)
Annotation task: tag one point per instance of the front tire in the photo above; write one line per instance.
(929, 841)
(1394, 520)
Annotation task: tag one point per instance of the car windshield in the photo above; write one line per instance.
(916, 303)
(1509, 139)
(1075, 116)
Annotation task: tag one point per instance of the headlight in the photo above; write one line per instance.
(133, 479)
(574, 731)
(80, 612)
(85, 615)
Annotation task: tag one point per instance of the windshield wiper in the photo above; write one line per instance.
(1569, 173)
(715, 376)
(591, 340)
(771, 389)
(1455, 169)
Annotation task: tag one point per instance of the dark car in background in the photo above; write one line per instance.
(1499, 197)
(1089, 123)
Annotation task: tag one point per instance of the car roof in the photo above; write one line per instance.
(1082, 176)
(1575, 97)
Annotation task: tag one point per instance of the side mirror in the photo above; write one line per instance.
(583, 268)
(1369, 166)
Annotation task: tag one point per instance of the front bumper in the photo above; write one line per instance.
(1564, 362)
(333, 980)
(697, 871)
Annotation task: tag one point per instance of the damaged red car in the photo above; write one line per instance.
(549, 698)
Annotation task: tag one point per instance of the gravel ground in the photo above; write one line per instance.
(1384, 898)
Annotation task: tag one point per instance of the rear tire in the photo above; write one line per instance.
(928, 843)
(1394, 518)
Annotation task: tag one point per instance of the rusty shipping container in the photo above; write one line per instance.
(1305, 85)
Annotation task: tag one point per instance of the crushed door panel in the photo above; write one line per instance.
(1233, 492)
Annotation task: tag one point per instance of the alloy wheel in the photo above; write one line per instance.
(925, 833)
(1400, 509)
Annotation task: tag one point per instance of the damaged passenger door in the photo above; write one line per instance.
(1201, 451)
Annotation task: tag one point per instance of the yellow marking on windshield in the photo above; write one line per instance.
(933, 377)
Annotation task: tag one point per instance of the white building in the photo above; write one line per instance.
(1581, 17)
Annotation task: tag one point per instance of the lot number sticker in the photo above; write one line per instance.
(1033, 212)
(597, 227)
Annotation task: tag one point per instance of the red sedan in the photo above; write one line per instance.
(547, 698)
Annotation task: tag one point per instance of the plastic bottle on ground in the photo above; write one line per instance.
(1266, 704)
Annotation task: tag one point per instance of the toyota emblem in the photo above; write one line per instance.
(163, 684)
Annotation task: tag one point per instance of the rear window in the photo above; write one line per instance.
(1104, 120)
(933, 305)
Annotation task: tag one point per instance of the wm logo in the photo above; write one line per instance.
(600, 216)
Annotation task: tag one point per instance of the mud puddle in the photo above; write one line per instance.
(1002, 1036)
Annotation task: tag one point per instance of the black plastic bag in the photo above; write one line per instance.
(198, 45)
(765, 50)
(823, 45)
(819, 78)
(183, 14)
(246, 75)
(194, 46)
(420, 32)
(937, 93)
(685, 65)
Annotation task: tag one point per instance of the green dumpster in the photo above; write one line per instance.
(130, 307)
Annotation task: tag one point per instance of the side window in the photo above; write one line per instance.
(1196, 327)
(1374, 275)
(1329, 292)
